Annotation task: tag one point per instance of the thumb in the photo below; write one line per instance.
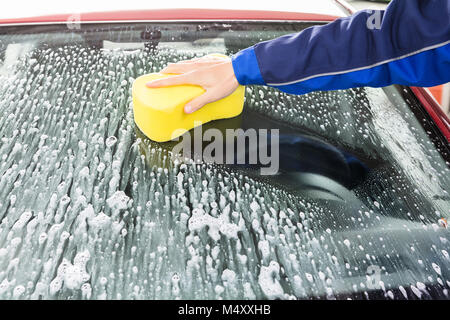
(198, 102)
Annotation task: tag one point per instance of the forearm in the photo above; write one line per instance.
(411, 47)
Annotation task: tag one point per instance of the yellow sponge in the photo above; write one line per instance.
(159, 112)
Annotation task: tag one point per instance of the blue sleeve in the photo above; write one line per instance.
(408, 43)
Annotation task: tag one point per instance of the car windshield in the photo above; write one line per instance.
(92, 209)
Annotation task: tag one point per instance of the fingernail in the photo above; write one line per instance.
(187, 109)
(149, 84)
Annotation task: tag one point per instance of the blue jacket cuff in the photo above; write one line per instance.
(246, 67)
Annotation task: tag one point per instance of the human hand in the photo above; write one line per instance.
(214, 74)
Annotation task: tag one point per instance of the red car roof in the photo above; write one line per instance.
(173, 14)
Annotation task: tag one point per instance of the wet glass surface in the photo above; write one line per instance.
(91, 209)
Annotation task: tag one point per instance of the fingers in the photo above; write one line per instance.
(187, 66)
(204, 58)
(179, 68)
(172, 81)
(189, 61)
(198, 102)
(216, 78)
